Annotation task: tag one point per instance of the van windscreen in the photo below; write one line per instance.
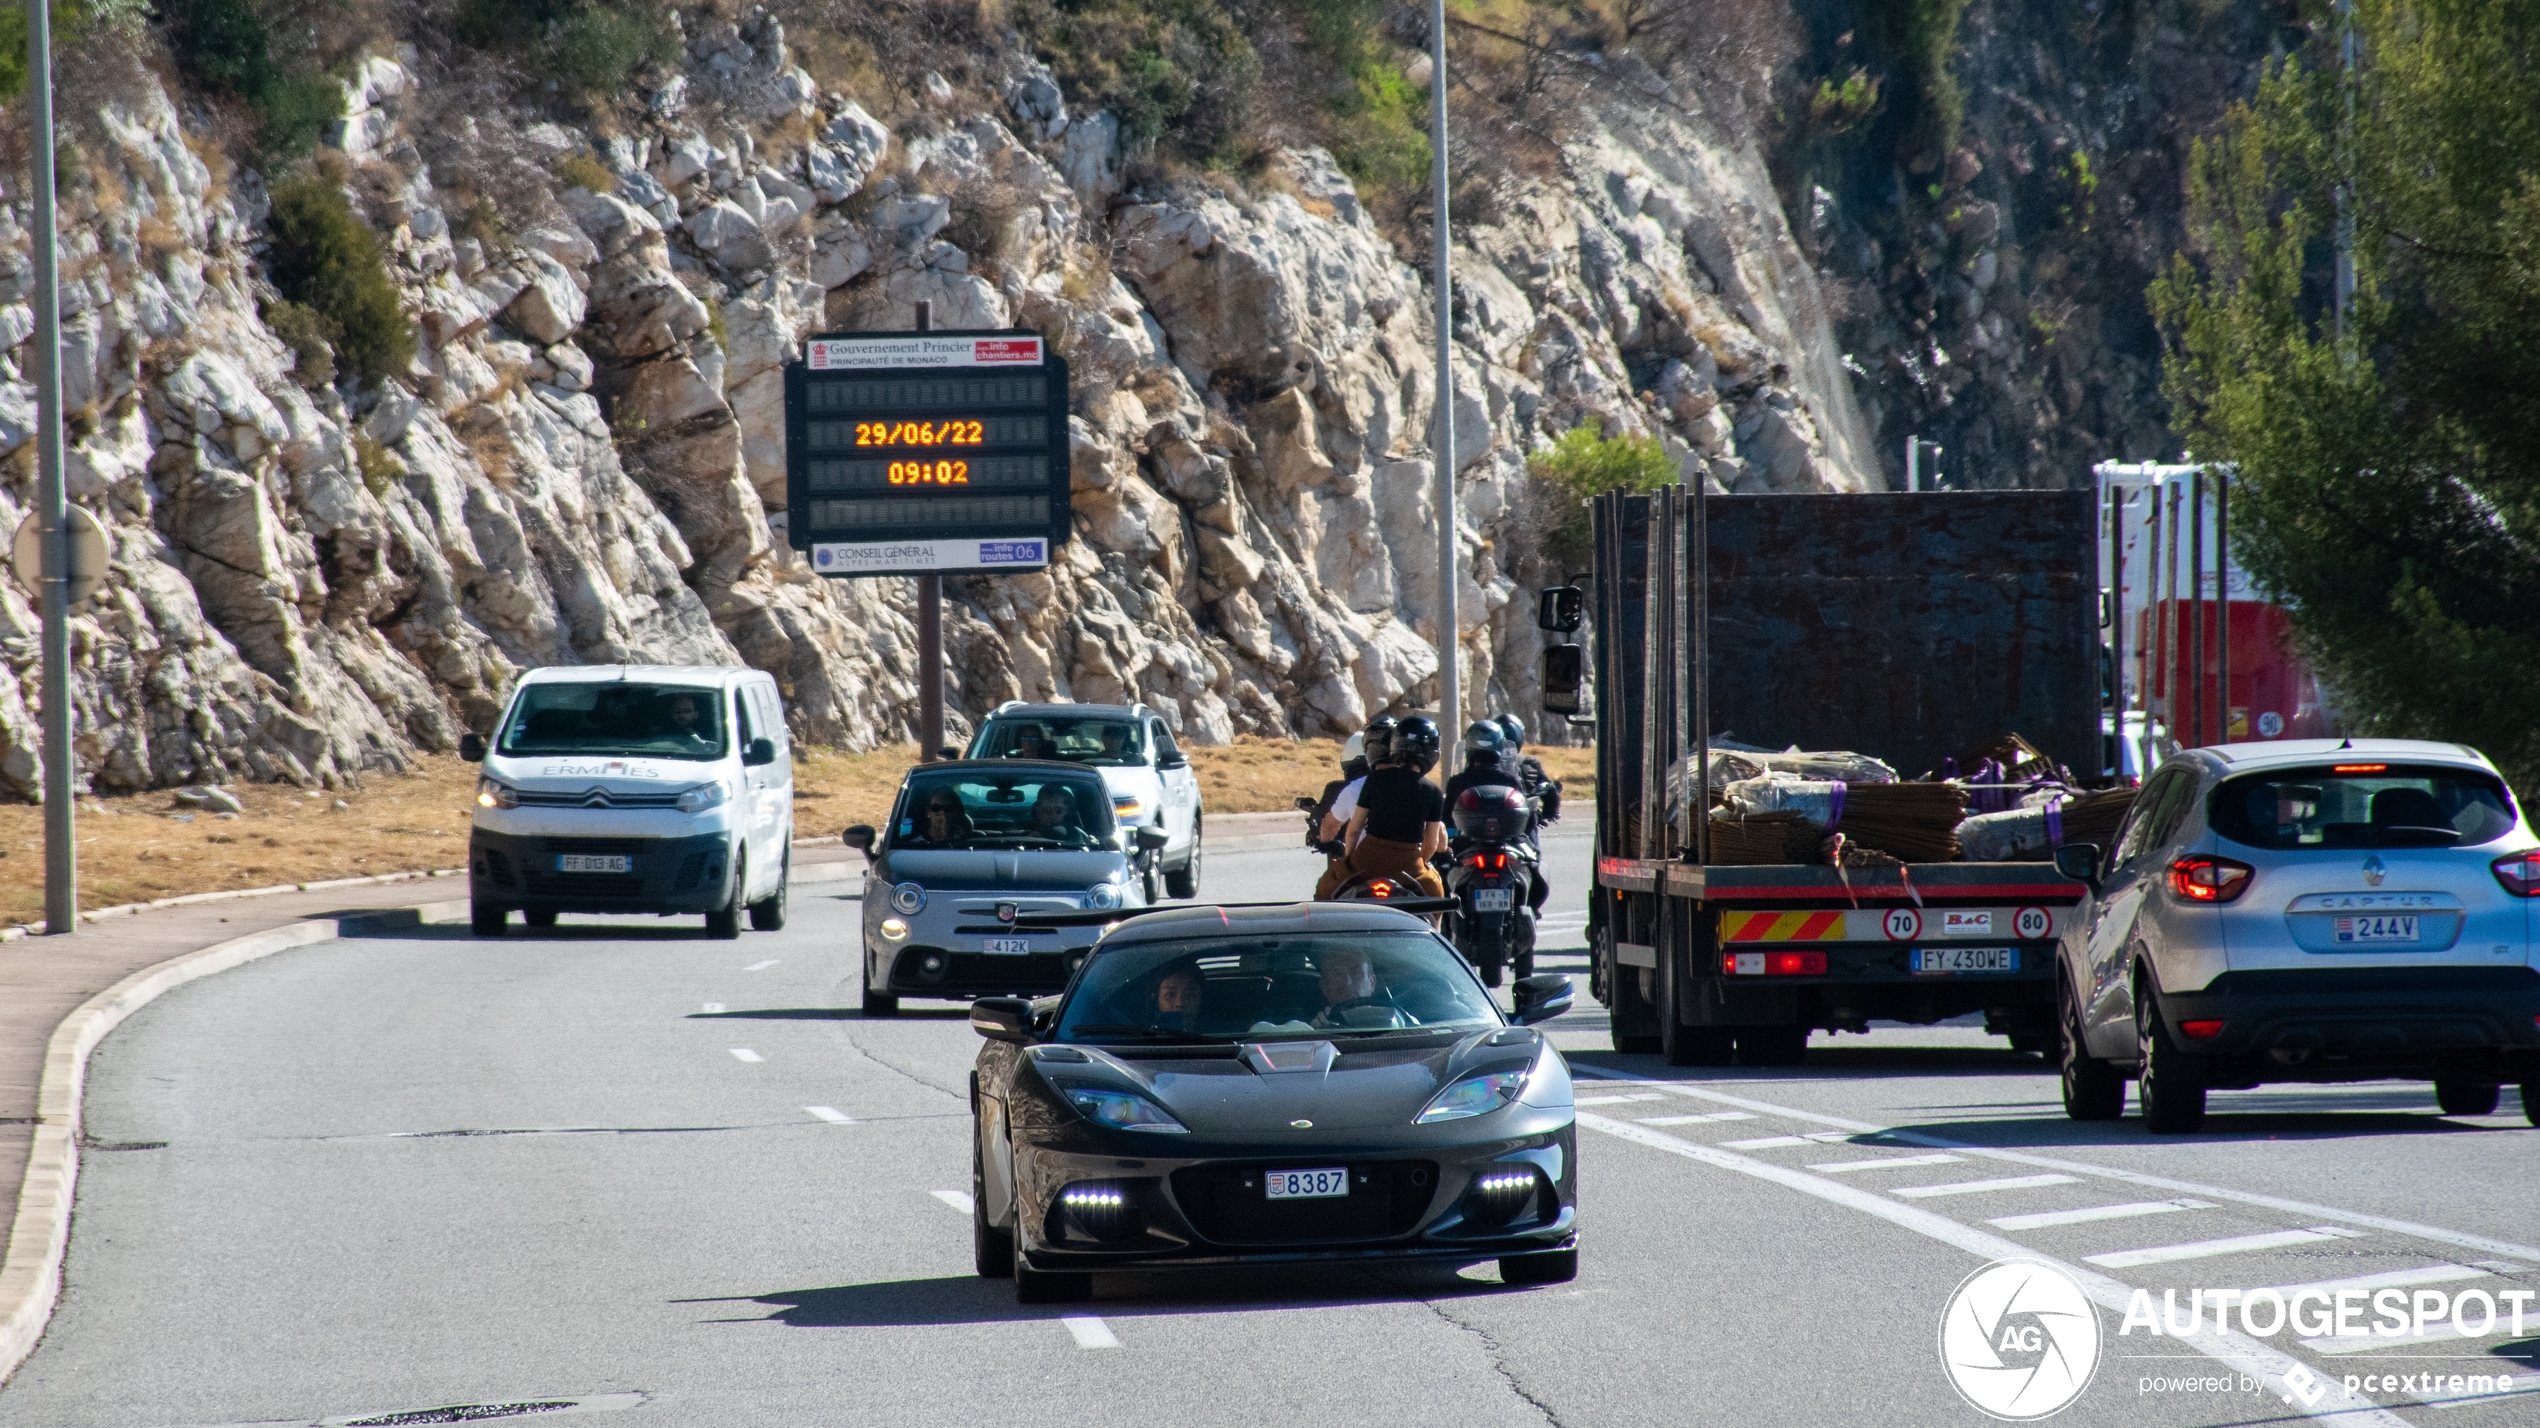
(662, 721)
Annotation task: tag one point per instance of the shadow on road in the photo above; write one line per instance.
(969, 1299)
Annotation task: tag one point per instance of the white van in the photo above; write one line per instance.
(634, 788)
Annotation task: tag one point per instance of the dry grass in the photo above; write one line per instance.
(135, 850)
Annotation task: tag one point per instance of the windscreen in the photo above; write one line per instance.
(976, 808)
(664, 721)
(1098, 740)
(1314, 985)
(2363, 805)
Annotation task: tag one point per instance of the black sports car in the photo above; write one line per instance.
(1224, 1085)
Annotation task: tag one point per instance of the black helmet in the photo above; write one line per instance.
(1515, 730)
(1415, 743)
(1483, 740)
(1378, 739)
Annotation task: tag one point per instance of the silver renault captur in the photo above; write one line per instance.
(2306, 910)
(971, 844)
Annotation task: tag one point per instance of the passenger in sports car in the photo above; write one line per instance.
(1177, 998)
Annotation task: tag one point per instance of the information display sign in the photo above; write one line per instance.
(927, 453)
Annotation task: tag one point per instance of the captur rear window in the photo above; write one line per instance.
(2363, 804)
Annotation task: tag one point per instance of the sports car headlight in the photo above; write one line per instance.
(1123, 1110)
(1102, 895)
(703, 797)
(1474, 1096)
(491, 793)
(909, 898)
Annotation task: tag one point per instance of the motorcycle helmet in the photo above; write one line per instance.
(1354, 756)
(1378, 740)
(1515, 730)
(1483, 742)
(1415, 743)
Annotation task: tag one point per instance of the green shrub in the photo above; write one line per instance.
(326, 258)
(591, 48)
(73, 21)
(585, 169)
(1177, 69)
(379, 469)
(1381, 133)
(1583, 463)
(311, 335)
(1837, 107)
(226, 46)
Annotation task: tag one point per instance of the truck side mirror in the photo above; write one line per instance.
(1560, 609)
(1564, 678)
(472, 748)
(760, 751)
(2079, 862)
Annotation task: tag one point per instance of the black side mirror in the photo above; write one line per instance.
(1152, 839)
(1541, 997)
(1561, 609)
(472, 748)
(1564, 678)
(1173, 761)
(2079, 862)
(1307, 805)
(760, 751)
(860, 838)
(1007, 1019)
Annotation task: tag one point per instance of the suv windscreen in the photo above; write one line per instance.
(1101, 741)
(664, 721)
(978, 808)
(2363, 805)
(1304, 985)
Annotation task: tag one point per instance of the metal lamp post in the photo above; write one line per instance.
(61, 891)
(1450, 643)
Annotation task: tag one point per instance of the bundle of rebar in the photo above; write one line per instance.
(1756, 839)
(2094, 817)
(1917, 822)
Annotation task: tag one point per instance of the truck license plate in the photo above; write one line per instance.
(1944, 961)
(1009, 946)
(2352, 930)
(1494, 899)
(594, 863)
(1325, 1184)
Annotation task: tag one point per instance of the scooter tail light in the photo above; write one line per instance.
(2205, 878)
(2519, 872)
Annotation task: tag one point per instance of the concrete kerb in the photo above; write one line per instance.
(40, 1234)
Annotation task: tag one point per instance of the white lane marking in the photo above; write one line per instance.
(1090, 1331)
(831, 1114)
(2302, 1208)
(2207, 1249)
(743, 1053)
(760, 966)
(713, 1007)
(958, 1199)
(1696, 1120)
(1982, 1187)
(1612, 1100)
(2501, 1266)
(2237, 1351)
(2389, 1279)
(1896, 1162)
(2095, 1213)
(1767, 1142)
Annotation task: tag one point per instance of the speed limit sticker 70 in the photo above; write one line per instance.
(1904, 924)
(2032, 923)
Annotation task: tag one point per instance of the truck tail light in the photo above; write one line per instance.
(2201, 1030)
(2519, 872)
(1772, 964)
(2204, 878)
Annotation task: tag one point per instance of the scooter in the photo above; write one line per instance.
(1491, 871)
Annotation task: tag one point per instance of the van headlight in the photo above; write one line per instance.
(909, 898)
(703, 797)
(1102, 896)
(491, 793)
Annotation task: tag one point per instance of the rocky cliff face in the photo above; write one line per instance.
(584, 462)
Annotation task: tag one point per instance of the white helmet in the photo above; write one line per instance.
(1353, 747)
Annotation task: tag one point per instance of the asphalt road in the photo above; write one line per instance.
(626, 1169)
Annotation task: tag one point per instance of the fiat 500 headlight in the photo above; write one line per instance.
(908, 898)
(1102, 896)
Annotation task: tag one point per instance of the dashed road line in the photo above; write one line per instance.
(1768, 1142)
(958, 1199)
(831, 1114)
(1614, 1100)
(1696, 1120)
(1982, 1187)
(2207, 1249)
(760, 966)
(2093, 1214)
(714, 1008)
(1090, 1331)
(743, 1053)
(1893, 1162)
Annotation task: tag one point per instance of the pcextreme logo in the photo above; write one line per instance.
(2019, 1340)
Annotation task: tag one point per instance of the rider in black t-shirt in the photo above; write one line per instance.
(1400, 823)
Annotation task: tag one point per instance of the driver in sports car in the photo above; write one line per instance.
(1349, 993)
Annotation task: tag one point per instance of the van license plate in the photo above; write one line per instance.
(1494, 899)
(1328, 1184)
(1009, 946)
(2354, 930)
(1947, 960)
(594, 863)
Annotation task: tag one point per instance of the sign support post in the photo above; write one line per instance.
(61, 865)
(930, 633)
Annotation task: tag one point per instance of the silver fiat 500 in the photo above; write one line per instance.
(2309, 910)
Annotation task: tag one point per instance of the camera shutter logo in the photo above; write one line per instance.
(2019, 1340)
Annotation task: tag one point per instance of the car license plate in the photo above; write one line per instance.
(1943, 961)
(2352, 930)
(1494, 899)
(594, 863)
(1009, 946)
(1307, 1184)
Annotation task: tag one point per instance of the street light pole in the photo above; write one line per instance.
(61, 888)
(1450, 642)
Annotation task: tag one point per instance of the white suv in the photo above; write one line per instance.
(1150, 778)
(2305, 910)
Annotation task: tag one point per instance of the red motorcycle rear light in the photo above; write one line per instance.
(2204, 878)
(2519, 872)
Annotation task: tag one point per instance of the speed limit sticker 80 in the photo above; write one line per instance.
(2032, 924)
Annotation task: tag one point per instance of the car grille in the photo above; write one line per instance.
(1225, 1203)
(530, 799)
(654, 874)
(1034, 974)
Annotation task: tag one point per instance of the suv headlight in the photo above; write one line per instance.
(1102, 896)
(908, 898)
(1122, 1110)
(491, 793)
(1128, 807)
(703, 797)
(1474, 1096)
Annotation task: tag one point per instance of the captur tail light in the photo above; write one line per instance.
(2201, 1030)
(1100, 1209)
(2205, 878)
(1504, 1196)
(2519, 872)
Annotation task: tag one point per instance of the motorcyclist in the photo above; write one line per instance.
(1400, 821)
(1539, 785)
(1353, 768)
(1377, 744)
(1489, 761)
